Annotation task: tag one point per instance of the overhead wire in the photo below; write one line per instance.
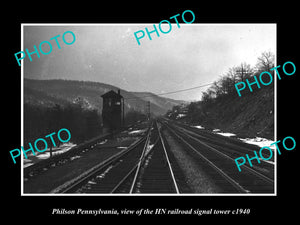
(171, 92)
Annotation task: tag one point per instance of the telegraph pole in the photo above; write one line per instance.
(148, 110)
(123, 113)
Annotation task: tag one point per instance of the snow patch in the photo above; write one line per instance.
(55, 151)
(92, 182)
(102, 142)
(226, 134)
(267, 161)
(218, 131)
(148, 149)
(259, 141)
(199, 127)
(28, 164)
(45, 155)
(75, 157)
(136, 132)
(180, 115)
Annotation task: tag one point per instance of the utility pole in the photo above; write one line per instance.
(148, 110)
(241, 71)
(123, 113)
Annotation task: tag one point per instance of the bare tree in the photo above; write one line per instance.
(216, 88)
(224, 84)
(244, 71)
(232, 78)
(232, 74)
(208, 95)
(265, 62)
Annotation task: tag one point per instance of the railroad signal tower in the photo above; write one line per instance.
(113, 110)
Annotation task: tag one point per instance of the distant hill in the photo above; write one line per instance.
(158, 100)
(47, 93)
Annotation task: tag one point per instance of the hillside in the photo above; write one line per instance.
(162, 102)
(50, 92)
(248, 116)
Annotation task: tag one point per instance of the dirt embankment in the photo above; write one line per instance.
(250, 115)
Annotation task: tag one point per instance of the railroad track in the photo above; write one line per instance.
(143, 168)
(155, 174)
(231, 147)
(216, 139)
(219, 159)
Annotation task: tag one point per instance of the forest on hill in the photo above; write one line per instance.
(252, 114)
(50, 105)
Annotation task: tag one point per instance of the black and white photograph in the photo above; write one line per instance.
(149, 109)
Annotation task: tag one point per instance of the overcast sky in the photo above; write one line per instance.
(189, 56)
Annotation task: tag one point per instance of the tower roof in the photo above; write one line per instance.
(112, 94)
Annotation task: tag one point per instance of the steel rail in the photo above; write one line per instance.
(265, 178)
(235, 184)
(140, 161)
(132, 170)
(229, 144)
(83, 178)
(169, 164)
